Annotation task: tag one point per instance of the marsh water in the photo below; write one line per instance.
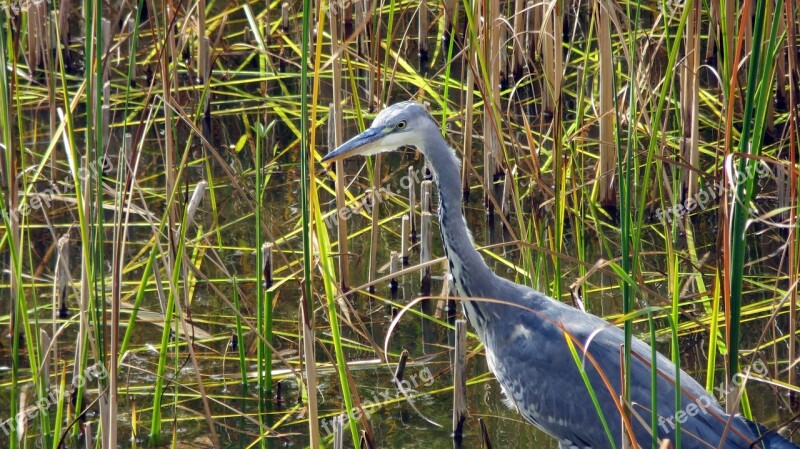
(221, 245)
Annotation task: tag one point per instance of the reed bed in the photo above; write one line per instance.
(178, 267)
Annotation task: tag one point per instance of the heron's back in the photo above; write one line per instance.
(529, 354)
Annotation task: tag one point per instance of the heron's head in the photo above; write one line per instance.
(402, 124)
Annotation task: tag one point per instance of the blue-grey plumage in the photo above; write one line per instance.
(524, 332)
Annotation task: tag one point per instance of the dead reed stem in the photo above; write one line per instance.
(375, 230)
(606, 193)
(310, 362)
(690, 99)
(338, 131)
(791, 31)
(459, 378)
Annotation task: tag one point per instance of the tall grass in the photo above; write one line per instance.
(150, 299)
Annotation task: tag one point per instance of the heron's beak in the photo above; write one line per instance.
(365, 144)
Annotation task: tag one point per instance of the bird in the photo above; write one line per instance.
(529, 337)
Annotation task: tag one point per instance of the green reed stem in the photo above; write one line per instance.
(155, 426)
(16, 268)
(655, 137)
(579, 363)
(242, 360)
(625, 169)
(263, 299)
(653, 382)
(307, 317)
(329, 272)
(305, 152)
(758, 94)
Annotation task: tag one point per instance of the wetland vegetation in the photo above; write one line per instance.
(180, 271)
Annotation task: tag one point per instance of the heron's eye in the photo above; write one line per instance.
(401, 124)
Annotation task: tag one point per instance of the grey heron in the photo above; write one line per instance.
(525, 332)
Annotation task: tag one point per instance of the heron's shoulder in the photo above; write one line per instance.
(583, 327)
(536, 300)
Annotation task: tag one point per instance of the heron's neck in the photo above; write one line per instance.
(468, 268)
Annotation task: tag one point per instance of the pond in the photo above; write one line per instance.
(152, 167)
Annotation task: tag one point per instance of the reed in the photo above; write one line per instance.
(264, 291)
(167, 159)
